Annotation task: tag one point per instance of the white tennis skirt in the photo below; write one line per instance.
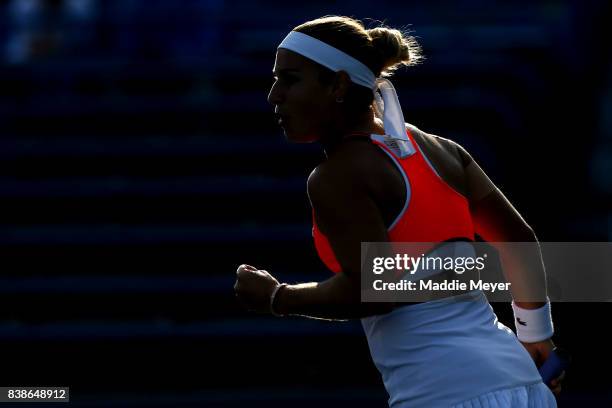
(535, 395)
(453, 352)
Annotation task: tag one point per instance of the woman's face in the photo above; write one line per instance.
(302, 104)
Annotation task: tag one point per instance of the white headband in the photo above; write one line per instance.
(336, 60)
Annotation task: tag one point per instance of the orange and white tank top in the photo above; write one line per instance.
(433, 211)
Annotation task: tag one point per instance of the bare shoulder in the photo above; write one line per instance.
(475, 183)
(346, 173)
(432, 143)
(464, 156)
(446, 156)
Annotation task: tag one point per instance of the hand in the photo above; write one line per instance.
(254, 287)
(539, 351)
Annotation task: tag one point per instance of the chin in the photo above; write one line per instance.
(303, 138)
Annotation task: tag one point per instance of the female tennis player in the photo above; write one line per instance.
(385, 180)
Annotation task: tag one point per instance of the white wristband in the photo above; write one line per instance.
(533, 325)
(273, 296)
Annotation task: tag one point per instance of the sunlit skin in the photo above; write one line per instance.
(309, 110)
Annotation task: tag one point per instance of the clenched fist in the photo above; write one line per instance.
(254, 287)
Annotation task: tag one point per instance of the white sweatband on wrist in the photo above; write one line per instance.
(533, 325)
(273, 296)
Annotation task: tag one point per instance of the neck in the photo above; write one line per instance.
(366, 125)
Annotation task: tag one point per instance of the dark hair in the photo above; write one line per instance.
(381, 49)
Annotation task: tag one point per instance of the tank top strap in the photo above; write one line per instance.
(399, 148)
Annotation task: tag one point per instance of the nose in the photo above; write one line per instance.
(275, 97)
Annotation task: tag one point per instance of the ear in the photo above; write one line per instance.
(342, 82)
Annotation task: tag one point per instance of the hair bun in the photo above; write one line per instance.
(396, 48)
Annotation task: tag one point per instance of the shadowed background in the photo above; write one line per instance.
(140, 164)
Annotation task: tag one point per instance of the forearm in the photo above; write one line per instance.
(328, 300)
(523, 267)
(498, 223)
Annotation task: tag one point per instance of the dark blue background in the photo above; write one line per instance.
(140, 164)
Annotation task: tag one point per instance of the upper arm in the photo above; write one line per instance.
(478, 184)
(495, 218)
(345, 213)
